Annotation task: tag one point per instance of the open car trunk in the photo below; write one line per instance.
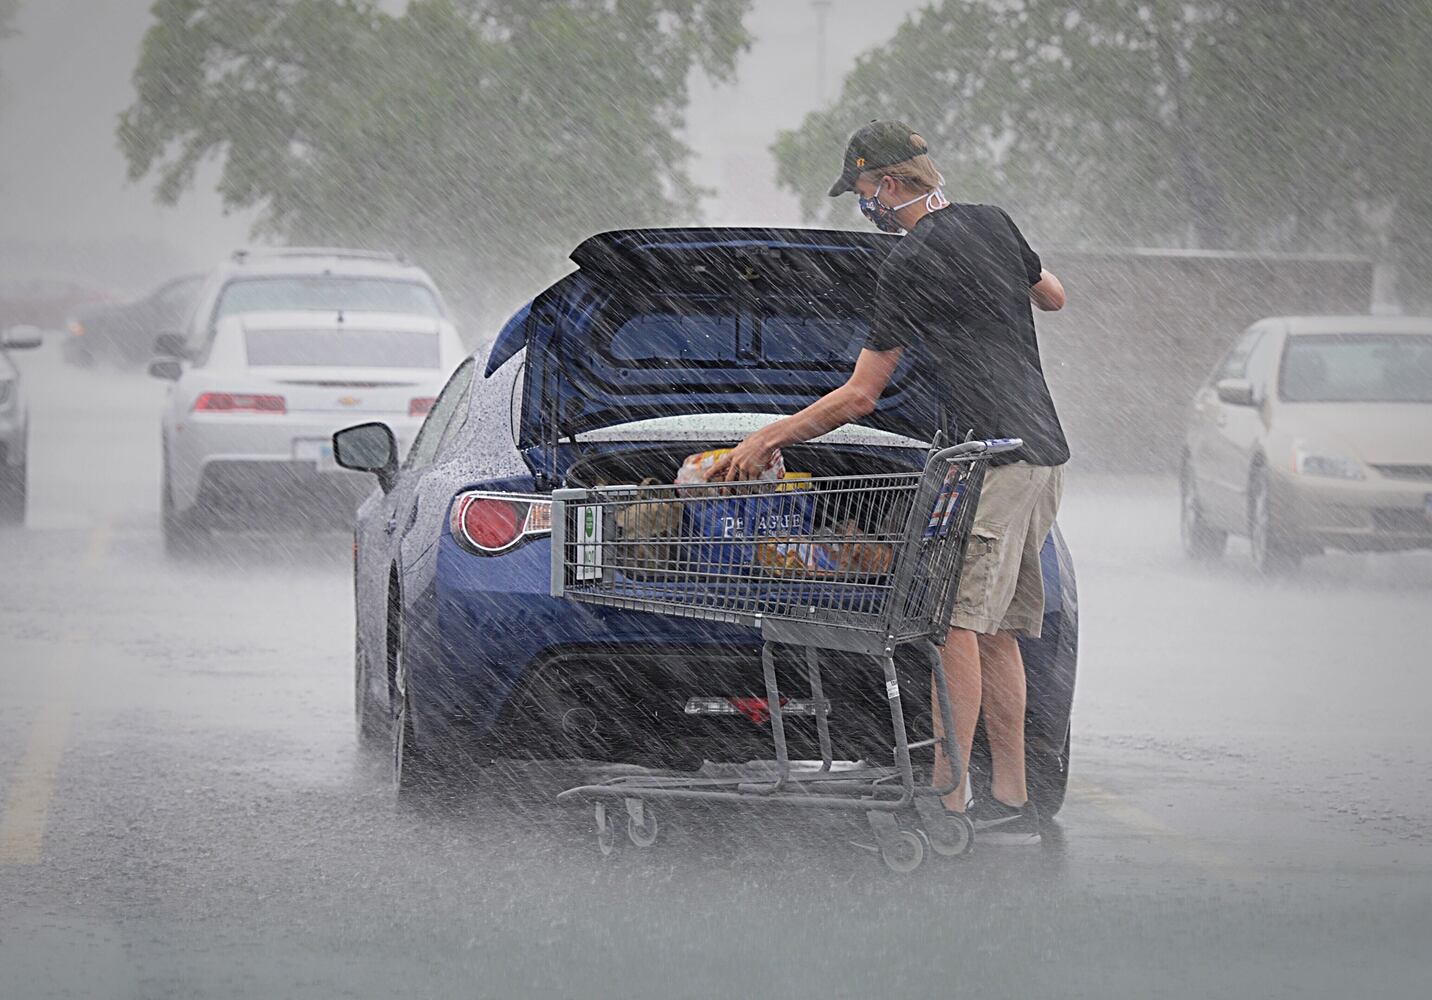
(660, 462)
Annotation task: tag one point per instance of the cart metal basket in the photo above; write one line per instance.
(861, 564)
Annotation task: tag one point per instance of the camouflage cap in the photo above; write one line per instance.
(873, 146)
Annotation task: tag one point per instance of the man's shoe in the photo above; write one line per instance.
(999, 824)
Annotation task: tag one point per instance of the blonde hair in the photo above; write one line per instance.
(918, 172)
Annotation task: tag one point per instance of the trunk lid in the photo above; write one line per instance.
(665, 322)
(351, 390)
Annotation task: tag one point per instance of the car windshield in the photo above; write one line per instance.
(1357, 368)
(343, 348)
(325, 292)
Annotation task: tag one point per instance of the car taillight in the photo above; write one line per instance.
(238, 402)
(420, 405)
(488, 523)
(77, 329)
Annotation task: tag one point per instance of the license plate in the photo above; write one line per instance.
(319, 451)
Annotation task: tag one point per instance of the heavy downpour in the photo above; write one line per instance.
(694, 498)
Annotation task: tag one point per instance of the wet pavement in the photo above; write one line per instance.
(183, 811)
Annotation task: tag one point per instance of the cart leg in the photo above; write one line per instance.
(947, 742)
(897, 723)
(817, 696)
(778, 721)
(606, 842)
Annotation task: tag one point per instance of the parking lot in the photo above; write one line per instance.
(183, 812)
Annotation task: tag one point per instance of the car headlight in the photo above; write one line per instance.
(1309, 461)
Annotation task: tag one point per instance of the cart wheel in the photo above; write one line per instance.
(606, 840)
(904, 854)
(952, 838)
(642, 834)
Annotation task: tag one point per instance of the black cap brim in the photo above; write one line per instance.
(845, 182)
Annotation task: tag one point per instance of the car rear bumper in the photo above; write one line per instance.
(234, 460)
(511, 672)
(1374, 514)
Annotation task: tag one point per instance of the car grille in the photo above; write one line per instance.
(1414, 473)
(1402, 521)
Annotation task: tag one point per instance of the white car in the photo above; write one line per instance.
(281, 279)
(247, 428)
(1313, 433)
(14, 424)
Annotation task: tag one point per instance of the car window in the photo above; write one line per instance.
(448, 409)
(326, 292)
(174, 299)
(1357, 368)
(1235, 362)
(343, 348)
(1261, 365)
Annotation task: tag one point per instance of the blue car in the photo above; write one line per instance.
(660, 344)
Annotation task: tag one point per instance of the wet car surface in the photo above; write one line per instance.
(184, 812)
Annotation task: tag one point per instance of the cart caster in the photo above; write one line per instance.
(951, 838)
(641, 823)
(606, 838)
(948, 834)
(904, 853)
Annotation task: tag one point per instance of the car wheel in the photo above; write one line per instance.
(185, 534)
(415, 772)
(1049, 780)
(12, 494)
(1273, 552)
(1202, 542)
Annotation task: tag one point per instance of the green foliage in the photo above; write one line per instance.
(1255, 123)
(484, 138)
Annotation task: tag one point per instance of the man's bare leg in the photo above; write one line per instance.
(960, 659)
(1002, 673)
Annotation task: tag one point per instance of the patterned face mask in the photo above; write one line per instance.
(884, 215)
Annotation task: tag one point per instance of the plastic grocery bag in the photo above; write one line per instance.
(697, 467)
(725, 525)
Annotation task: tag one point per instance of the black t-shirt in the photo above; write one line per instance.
(958, 283)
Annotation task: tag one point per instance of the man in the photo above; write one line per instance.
(960, 284)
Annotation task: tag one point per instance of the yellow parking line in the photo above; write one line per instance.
(1147, 824)
(27, 806)
(22, 825)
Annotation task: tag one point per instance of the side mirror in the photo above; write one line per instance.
(170, 345)
(368, 448)
(168, 369)
(21, 338)
(1235, 392)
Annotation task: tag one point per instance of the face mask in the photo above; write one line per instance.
(884, 216)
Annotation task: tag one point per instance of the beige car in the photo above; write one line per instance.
(1314, 432)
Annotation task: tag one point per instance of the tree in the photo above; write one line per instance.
(8, 9)
(484, 137)
(1280, 124)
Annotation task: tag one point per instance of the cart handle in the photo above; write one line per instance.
(968, 449)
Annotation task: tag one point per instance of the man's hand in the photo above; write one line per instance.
(744, 462)
(1047, 293)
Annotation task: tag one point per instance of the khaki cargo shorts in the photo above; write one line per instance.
(1001, 586)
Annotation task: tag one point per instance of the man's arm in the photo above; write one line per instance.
(853, 400)
(1047, 293)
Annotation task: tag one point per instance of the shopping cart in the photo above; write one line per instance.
(857, 564)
